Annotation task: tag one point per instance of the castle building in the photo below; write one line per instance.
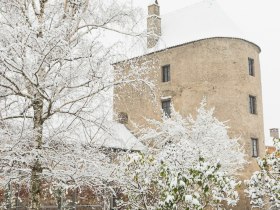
(198, 52)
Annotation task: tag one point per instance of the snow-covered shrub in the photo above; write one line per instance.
(189, 164)
(138, 174)
(149, 184)
(202, 185)
(181, 141)
(264, 186)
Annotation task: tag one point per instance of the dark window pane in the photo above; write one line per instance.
(166, 107)
(252, 105)
(254, 147)
(251, 66)
(166, 73)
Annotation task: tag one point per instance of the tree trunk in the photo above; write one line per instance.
(36, 186)
(37, 167)
(59, 195)
(8, 197)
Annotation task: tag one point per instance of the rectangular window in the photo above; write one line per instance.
(252, 104)
(166, 73)
(254, 147)
(251, 66)
(166, 107)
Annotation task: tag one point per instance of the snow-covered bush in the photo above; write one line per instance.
(149, 184)
(264, 186)
(200, 186)
(182, 141)
(189, 165)
(138, 174)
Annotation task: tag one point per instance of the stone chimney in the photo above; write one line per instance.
(153, 24)
(274, 133)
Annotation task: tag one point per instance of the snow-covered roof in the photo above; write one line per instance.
(119, 137)
(152, 2)
(202, 20)
(199, 21)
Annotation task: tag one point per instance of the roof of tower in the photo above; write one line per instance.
(199, 21)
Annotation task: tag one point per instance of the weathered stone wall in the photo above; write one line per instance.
(215, 68)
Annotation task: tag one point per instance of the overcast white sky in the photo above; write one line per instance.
(259, 20)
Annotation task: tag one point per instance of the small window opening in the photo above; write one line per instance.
(251, 66)
(252, 104)
(166, 107)
(166, 73)
(254, 147)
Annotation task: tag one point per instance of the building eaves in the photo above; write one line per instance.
(188, 43)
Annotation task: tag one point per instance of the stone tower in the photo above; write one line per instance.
(219, 65)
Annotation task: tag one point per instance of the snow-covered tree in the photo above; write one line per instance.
(55, 82)
(264, 186)
(148, 183)
(190, 165)
(182, 141)
(137, 180)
